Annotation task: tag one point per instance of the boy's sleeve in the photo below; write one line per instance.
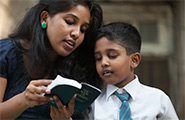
(168, 111)
(90, 114)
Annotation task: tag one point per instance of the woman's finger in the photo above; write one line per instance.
(38, 86)
(52, 112)
(71, 103)
(57, 113)
(38, 97)
(41, 82)
(30, 102)
(63, 111)
(59, 103)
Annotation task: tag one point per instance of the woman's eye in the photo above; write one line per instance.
(83, 30)
(69, 22)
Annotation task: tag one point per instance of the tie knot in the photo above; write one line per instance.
(122, 97)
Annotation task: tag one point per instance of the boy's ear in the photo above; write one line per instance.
(135, 59)
(44, 16)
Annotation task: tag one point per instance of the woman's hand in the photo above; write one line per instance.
(32, 95)
(63, 112)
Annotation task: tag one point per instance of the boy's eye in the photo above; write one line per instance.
(97, 58)
(69, 22)
(112, 56)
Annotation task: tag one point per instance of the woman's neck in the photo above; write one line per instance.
(25, 44)
(53, 56)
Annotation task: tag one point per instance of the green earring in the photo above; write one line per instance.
(44, 25)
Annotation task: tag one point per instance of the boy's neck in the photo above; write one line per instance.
(124, 83)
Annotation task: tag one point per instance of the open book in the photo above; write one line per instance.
(65, 89)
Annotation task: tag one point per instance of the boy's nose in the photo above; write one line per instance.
(104, 63)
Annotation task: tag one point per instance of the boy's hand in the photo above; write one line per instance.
(62, 112)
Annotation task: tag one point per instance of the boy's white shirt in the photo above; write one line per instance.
(146, 103)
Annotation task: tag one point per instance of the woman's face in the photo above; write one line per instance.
(66, 30)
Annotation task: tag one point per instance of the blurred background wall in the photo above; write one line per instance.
(162, 27)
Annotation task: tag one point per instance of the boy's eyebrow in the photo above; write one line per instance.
(108, 50)
(86, 23)
(112, 49)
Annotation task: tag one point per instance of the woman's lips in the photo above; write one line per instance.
(70, 44)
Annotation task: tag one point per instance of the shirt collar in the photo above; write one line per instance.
(132, 88)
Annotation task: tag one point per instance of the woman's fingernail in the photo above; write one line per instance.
(54, 97)
(75, 95)
(47, 91)
(51, 98)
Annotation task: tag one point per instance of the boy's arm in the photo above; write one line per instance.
(169, 112)
(90, 114)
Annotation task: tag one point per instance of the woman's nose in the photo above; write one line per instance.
(75, 33)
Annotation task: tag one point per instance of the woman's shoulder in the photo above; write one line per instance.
(5, 41)
(7, 47)
(9, 53)
(10, 57)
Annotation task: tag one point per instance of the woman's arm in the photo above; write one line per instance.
(13, 107)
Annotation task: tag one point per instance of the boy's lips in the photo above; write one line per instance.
(106, 72)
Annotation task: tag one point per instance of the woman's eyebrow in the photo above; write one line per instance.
(96, 52)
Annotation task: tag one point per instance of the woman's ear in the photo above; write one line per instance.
(135, 59)
(43, 17)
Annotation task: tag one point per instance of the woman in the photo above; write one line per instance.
(50, 40)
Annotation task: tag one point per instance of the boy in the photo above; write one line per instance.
(117, 54)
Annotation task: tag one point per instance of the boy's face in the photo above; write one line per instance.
(113, 64)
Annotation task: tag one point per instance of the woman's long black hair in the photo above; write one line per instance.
(37, 60)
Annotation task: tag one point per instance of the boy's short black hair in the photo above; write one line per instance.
(123, 34)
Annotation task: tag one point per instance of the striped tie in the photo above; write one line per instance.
(125, 113)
